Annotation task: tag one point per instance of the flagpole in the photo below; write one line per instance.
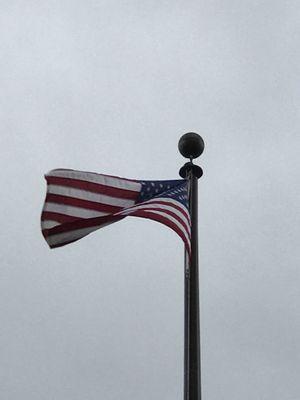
(191, 146)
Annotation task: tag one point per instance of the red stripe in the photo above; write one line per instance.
(93, 187)
(74, 202)
(52, 216)
(168, 203)
(165, 221)
(81, 223)
(187, 228)
(153, 207)
(90, 222)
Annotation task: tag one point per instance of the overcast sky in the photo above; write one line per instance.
(109, 87)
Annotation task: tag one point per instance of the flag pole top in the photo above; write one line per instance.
(191, 145)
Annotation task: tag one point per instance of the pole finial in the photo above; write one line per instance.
(191, 145)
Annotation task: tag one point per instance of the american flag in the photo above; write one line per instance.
(78, 203)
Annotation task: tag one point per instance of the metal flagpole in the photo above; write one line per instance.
(191, 145)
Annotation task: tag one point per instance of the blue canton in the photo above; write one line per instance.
(176, 190)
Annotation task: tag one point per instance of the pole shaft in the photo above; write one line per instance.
(192, 361)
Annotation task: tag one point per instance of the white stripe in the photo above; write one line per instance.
(48, 224)
(71, 235)
(114, 181)
(172, 219)
(170, 201)
(90, 196)
(153, 206)
(72, 211)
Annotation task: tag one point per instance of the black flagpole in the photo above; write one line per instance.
(191, 145)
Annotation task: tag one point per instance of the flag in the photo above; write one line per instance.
(78, 203)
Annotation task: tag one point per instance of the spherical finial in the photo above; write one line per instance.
(191, 145)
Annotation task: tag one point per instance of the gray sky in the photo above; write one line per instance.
(110, 86)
